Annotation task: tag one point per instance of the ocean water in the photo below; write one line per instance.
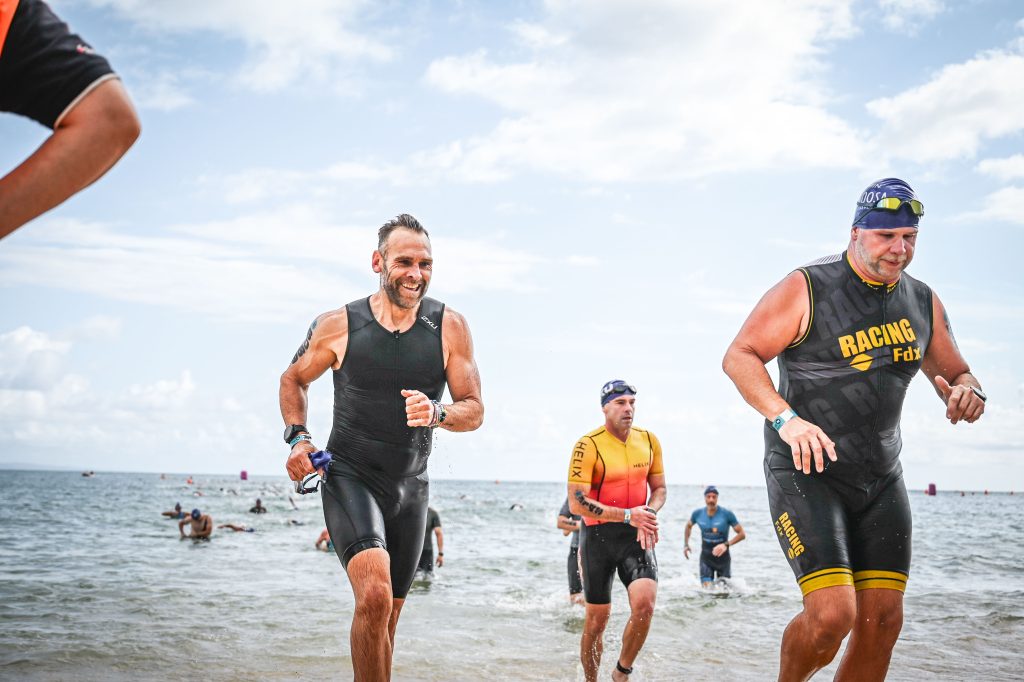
(96, 585)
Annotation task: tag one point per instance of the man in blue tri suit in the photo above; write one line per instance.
(850, 331)
(714, 522)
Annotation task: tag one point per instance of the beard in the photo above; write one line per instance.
(397, 294)
(875, 267)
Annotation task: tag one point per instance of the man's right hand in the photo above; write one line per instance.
(808, 442)
(646, 523)
(298, 464)
(686, 552)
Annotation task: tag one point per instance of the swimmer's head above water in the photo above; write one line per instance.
(615, 388)
(887, 204)
(196, 514)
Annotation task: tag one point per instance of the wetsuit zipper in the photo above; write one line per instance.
(880, 384)
(394, 378)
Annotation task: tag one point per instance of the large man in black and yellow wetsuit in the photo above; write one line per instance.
(617, 484)
(392, 354)
(51, 75)
(850, 332)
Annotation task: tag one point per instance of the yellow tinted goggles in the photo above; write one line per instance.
(894, 203)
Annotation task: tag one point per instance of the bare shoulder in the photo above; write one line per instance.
(791, 286)
(331, 323)
(454, 327)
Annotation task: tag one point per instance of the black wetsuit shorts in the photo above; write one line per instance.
(712, 566)
(365, 508)
(573, 566)
(607, 549)
(426, 563)
(837, 533)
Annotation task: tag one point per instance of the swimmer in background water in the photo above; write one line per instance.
(175, 513)
(714, 523)
(324, 543)
(238, 528)
(202, 525)
(258, 508)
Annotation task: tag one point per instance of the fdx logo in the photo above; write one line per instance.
(784, 527)
(857, 345)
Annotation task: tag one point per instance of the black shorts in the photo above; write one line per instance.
(712, 566)
(366, 508)
(607, 549)
(426, 563)
(836, 533)
(573, 566)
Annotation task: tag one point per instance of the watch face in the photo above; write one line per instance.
(293, 430)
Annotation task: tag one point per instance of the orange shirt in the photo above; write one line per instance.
(7, 8)
(615, 471)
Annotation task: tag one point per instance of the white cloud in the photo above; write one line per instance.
(98, 328)
(284, 43)
(654, 90)
(1009, 168)
(1004, 205)
(906, 16)
(260, 267)
(30, 360)
(960, 107)
(163, 394)
(162, 93)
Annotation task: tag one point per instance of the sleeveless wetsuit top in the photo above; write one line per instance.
(369, 410)
(850, 371)
(615, 471)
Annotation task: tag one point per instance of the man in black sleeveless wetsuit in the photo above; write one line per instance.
(392, 354)
(850, 331)
(52, 76)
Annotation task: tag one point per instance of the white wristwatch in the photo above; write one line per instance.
(627, 515)
(781, 420)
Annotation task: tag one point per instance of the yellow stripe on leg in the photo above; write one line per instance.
(827, 577)
(880, 580)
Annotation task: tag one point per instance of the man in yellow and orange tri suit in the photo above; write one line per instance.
(850, 331)
(617, 484)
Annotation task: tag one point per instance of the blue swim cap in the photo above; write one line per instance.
(196, 514)
(711, 489)
(870, 216)
(615, 388)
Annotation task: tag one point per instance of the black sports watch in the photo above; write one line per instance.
(294, 430)
(980, 393)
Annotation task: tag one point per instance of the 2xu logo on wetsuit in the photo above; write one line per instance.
(784, 527)
(863, 340)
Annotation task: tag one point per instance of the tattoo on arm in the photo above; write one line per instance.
(587, 504)
(949, 328)
(305, 344)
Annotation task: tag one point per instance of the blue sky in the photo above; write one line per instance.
(610, 187)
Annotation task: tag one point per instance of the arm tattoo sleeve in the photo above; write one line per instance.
(949, 328)
(305, 344)
(587, 504)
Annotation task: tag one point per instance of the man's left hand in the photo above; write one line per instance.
(720, 549)
(419, 411)
(962, 403)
